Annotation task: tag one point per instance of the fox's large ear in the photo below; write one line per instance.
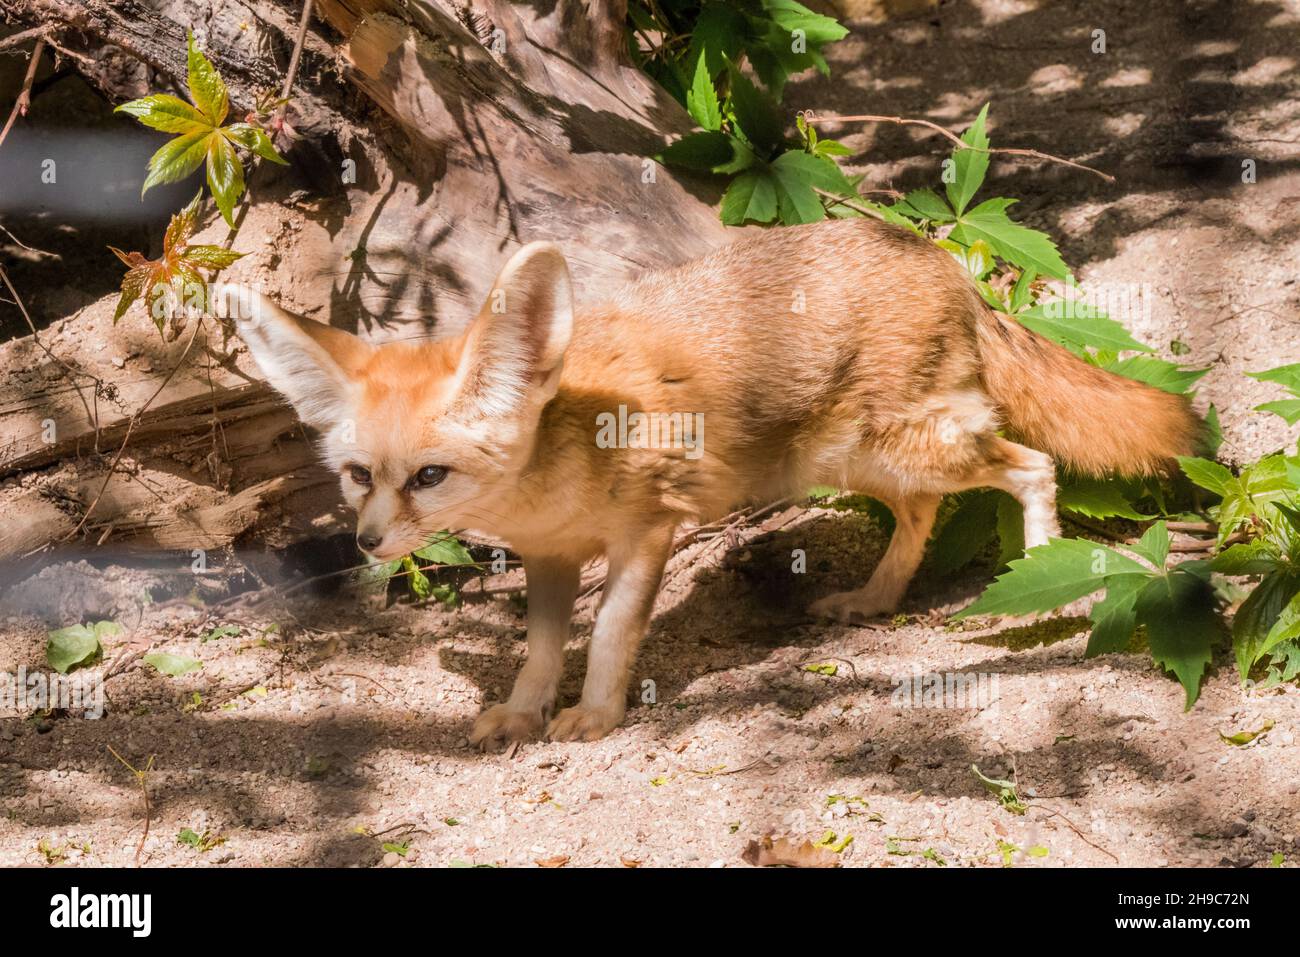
(308, 362)
(515, 347)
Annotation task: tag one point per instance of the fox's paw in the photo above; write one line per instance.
(581, 723)
(501, 724)
(849, 607)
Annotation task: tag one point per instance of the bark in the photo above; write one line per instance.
(472, 128)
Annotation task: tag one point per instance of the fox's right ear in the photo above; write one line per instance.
(514, 349)
(313, 365)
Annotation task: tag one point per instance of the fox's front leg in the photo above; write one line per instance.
(635, 569)
(552, 589)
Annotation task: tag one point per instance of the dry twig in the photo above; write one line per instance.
(810, 117)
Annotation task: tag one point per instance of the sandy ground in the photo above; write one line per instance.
(326, 727)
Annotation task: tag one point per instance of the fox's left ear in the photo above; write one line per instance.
(514, 349)
(313, 365)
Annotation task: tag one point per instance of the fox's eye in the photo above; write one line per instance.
(430, 475)
(359, 474)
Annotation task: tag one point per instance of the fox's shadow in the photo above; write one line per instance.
(723, 608)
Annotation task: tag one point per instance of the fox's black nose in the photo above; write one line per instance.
(368, 541)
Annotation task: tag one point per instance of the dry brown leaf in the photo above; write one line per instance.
(553, 861)
(783, 853)
(629, 862)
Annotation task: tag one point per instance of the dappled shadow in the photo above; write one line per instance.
(1182, 94)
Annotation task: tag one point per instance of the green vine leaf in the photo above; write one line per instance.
(1025, 247)
(175, 274)
(1052, 575)
(971, 164)
(200, 135)
(702, 98)
(1182, 625)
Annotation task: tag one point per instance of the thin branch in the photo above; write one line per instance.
(297, 50)
(1070, 824)
(141, 779)
(22, 36)
(25, 95)
(809, 117)
(847, 203)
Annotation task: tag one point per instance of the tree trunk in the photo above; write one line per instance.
(479, 128)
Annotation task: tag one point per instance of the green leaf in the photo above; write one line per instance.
(925, 204)
(1208, 475)
(1023, 292)
(971, 166)
(818, 29)
(174, 665)
(968, 530)
(742, 158)
(1050, 576)
(796, 201)
(1257, 615)
(831, 148)
(754, 113)
(1166, 376)
(177, 159)
(206, 88)
(1245, 737)
(1004, 789)
(133, 284)
(1011, 529)
(1154, 545)
(699, 151)
(77, 645)
(976, 259)
(751, 197)
(1075, 322)
(1213, 437)
(1285, 664)
(716, 36)
(225, 176)
(796, 174)
(416, 580)
(1025, 247)
(221, 631)
(1285, 628)
(1182, 626)
(377, 573)
(1288, 409)
(1096, 498)
(702, 98)
(1287, 376)
(1257, 557)
(1114, 618)
(166, 113)
(445, 550)
(210, 257)
(255, 140)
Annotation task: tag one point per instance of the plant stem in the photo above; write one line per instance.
(25, 94)
(297, 50)
(961, 144)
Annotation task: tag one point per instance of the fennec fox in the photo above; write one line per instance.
(851, 353)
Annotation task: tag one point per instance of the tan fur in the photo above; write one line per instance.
(1082, 415)
(847, 353)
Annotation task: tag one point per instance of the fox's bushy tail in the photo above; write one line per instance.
(1091, 420)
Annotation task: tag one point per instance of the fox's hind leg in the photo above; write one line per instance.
(911, 466)
(1030, 477)
(914, 517)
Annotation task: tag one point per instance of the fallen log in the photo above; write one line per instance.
(432, 140)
